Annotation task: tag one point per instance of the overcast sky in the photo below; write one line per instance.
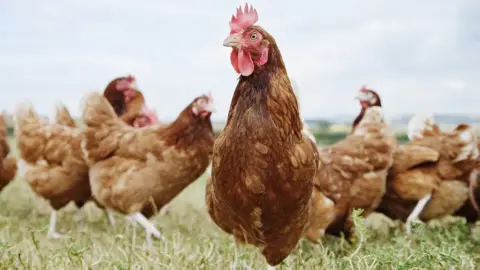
(419, 55)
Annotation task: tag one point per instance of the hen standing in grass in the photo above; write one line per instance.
(352, 175)
(8, 165)
(136, 171)
(55, 167)
(263, 166)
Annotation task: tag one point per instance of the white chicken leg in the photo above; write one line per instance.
(269, 267)
(416, 212)
(51, 229)
(147, 225)
(111, 218)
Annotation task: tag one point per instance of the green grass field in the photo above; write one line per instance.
(194, 242)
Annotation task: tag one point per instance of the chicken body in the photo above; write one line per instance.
(263, 165)
(54, 162)
(8, 164)
(352, 174)
(136, 171)
(430, 175)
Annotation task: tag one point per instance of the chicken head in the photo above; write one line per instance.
(203, 106)
(248, 42)
(128, 86)
(148, 117)
(368, 98)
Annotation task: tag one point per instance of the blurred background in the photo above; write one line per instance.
(417, 58)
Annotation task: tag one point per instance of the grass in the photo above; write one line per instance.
(194, 242)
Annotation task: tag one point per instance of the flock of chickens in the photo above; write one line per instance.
(270, 185)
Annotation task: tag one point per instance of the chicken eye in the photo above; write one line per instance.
(253, 36)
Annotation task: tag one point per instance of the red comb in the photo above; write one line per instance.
(130, 78)
(243, 19)
(364, 88)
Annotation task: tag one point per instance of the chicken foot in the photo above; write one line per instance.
(150, 229)
(416, 212)
(51, 228)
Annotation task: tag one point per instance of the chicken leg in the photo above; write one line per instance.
(111, 218)
(416, 212)
(51, 229)
(147, 225)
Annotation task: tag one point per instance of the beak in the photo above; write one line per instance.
(233, 40)
(210, 108)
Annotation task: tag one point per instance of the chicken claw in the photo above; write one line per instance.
(51, 229)
(416, 212)
(146, 224)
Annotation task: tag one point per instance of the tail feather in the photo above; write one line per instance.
(25, 117)
(29, 132)
(63, 116)
(422, 125)
(98, 111)
(100, 119)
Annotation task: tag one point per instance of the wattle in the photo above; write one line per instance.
(242, 62)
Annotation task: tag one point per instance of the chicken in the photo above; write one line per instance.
(430, 175)
(55, 167)
(352, 174)
(8, 164)
(129, 102)
(367, 98)
(263, 165)
(135, 171)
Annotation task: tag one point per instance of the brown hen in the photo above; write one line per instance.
(263, 165)
(55, 167)
(430, 175)
(352, 174)
(136, 171)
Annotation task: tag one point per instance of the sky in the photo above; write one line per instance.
(418, 55)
